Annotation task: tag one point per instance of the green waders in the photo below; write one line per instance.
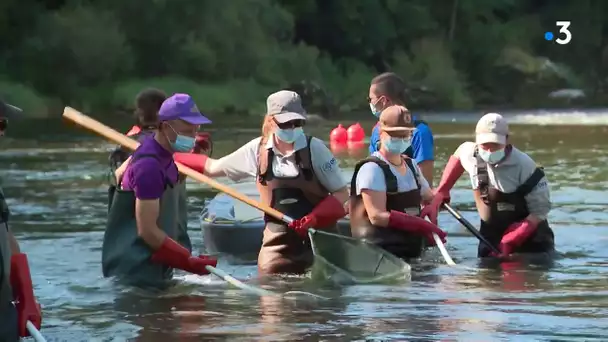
(8, 313)
(125, 255)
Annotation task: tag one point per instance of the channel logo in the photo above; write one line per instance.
(563, 37)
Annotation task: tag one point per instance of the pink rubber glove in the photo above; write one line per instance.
(453, 170)
(515, 236)
(326, 213)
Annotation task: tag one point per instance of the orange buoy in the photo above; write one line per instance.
(355, 133)
(338, 135)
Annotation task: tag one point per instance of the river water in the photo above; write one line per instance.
(54, 178)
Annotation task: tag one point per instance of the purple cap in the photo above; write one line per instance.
(181, 107)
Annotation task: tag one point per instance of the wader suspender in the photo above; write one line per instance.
(389, 176)
(268, 174)
(483, 180)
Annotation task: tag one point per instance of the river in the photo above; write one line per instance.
(54, 178)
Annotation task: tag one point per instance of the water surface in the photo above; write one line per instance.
(54, 179)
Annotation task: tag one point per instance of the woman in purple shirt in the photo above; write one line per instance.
(140, 246)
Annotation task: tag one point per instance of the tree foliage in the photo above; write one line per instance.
(454, 54)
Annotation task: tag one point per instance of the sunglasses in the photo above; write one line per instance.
(3, 124)
(290, 124)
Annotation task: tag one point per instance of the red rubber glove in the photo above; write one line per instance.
(134, 130)
(23, 292)
(453, 170)
(194, 161)
(202, 142)
(174, 255)
(326, 213)
(515, 236)
(416, 225)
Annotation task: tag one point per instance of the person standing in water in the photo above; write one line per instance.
(388, 89)
(387, 190)
(15, 278)
(295, 174)
(147, 104)
(511, 192)
(139, 245)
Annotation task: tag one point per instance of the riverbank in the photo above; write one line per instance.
(246, 98)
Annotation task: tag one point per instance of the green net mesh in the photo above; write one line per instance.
(346, 260)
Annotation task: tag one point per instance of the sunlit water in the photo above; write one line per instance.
(56, 190)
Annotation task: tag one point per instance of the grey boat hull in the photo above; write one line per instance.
(235, 230)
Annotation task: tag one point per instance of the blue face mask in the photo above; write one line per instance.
(396, 145)
(491, 157)
(289, 135)
(182, 143)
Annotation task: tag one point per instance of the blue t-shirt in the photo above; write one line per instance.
(423, 144)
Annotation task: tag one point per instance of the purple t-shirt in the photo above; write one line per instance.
(147, 176)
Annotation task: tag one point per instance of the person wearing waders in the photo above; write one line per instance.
(388, 89)
(18, 304)
(295, 174)
(387, 189)
(139, 246)
(511, 192)
(148, 103)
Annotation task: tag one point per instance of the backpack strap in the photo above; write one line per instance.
(410, 165)
(389, 177)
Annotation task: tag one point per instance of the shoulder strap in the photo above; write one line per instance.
(264, 163)
(483, 180)
(389, 177)
(306, 168)
(531, 182)
(410, 165)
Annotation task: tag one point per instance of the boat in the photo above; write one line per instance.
(234, 229)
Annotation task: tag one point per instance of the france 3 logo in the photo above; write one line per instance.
(564, 35)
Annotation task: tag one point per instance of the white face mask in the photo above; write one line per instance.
(491, 157)
(289, 135)
(375, 111)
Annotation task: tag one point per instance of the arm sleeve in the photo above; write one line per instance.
(374, 140)
(370, 177)
(423, 144)
(326, 166)
(242, 163)
(148, 179)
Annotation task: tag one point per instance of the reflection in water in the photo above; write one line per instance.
(56, 189)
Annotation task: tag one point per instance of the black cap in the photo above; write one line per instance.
(9, 111)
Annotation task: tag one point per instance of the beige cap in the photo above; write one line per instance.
(492, 128)
(285, 106)
(396, 119)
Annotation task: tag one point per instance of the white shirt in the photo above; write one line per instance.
(371, 177)
(508, 175)
(243, 163)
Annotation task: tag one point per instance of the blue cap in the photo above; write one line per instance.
(181, 107)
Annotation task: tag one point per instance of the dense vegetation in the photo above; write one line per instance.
(455, 54)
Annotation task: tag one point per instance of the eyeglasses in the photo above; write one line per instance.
(377, 99)
(3, 124)
(290, 124)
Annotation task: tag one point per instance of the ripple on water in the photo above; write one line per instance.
(58, 199)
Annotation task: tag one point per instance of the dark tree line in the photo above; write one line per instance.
(454, 54)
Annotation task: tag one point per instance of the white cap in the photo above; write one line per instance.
(492, 128)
